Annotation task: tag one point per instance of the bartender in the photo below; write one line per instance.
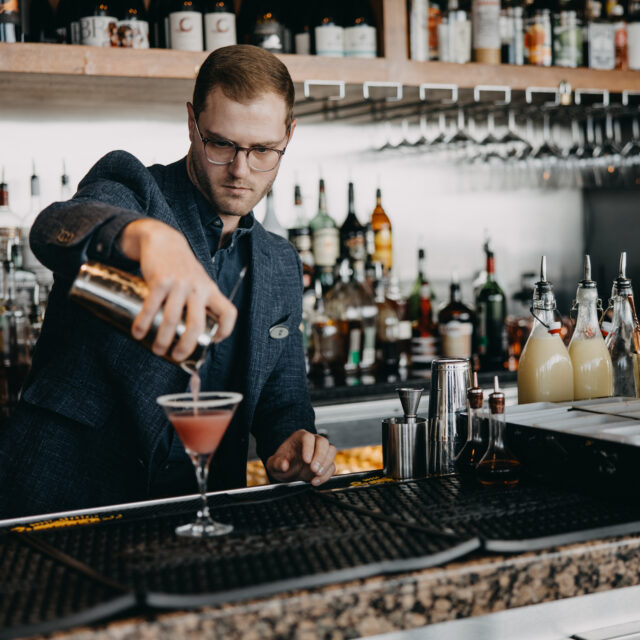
(87, 430)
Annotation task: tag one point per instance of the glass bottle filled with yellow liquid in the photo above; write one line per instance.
(592, 368)
(545, 372)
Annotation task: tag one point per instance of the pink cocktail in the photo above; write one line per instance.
(201, 423)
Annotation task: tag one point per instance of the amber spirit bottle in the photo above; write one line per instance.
(381, 226)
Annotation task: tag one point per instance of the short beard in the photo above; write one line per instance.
(202, 182)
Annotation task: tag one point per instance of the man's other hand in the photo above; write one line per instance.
(178, 284)
(303, 456)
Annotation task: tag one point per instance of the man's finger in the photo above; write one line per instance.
(224, 311)
(308, 446)
(329, 471)
(318, 461)
(172, 312)
(195, 325)
(151, 306)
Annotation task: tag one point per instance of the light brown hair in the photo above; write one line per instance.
(243, 72)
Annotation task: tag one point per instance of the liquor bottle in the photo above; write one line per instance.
(620, 339)
(98, 27)
(491, 309)
(633, 35)
(302, 31)
(185, 25)
(360, 36)
(434, 20)
(498, 465)
(602, 51)
(567, 34)
(486, 31)
(65, 187)
(421, 296)
(424, 343)
(271, 222)
(8, 219)
(42, 23)
(352, 234)
(325, 358)
(328, 30)
(325, 241)
(545, 372)
(268, 29)
(419, 29)
(10, 21)
(475, 446)
(219, 24)
(455, 324)
(454, 35)
(382, 237)
(35, 202)
(133, 26)
(616, 13)
(300, 237)
(592, 368)
(15, 343)
(387, 331)
(538, 40)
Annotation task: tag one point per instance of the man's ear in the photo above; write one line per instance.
(292, 128)
(191, 118)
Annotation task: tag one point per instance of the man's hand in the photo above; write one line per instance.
(178, 284)
(303, 456)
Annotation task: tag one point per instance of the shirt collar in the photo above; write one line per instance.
(210, 219)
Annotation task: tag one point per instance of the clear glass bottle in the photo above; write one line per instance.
(498, 465)
(387, 330)
(325, 359)
(475, 446)
(592, 368)
(620, 339)
(545, 372)
(325, 240)
(271, 222)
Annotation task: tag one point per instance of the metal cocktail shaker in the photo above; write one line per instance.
(404, 440)
(117, 297)
(450, 380)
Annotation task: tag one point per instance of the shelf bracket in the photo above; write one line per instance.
(626, 94)
(489, 88)
(366, 86)
(592, 92)
(533, 91)
(340, 84)
(425, 87)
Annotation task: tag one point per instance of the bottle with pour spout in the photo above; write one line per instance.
(592, 367)
(545, 372)
(620, 338)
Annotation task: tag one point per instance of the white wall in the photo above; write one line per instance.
(427, 200)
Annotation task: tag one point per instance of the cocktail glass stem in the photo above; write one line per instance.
(201, 463)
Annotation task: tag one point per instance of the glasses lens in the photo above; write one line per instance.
(263, 159)
(220, 152)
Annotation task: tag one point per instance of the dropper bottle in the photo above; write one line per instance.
(498, 466)
(545, 372)
(592, 368)
(620, 339)
(470, 454)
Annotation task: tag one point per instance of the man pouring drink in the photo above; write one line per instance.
(87, 430)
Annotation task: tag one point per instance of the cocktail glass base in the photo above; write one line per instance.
(205, 529)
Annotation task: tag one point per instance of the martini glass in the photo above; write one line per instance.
(201, 423)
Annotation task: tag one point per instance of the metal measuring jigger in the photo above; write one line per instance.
(450, 380)
(404, 440)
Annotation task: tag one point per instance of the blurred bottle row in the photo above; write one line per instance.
(567, 33)
(359, 323)
(327, 28)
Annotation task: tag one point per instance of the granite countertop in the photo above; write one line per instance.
(478, 585)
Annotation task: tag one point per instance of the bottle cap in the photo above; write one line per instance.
(555, 328)
(497, 398)
(587, 282)
(475, 395)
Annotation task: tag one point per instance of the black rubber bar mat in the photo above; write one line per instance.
(82, 569)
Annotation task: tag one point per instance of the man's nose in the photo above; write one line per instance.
(240, 168)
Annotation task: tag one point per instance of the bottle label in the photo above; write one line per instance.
(633, 45)
(419, 25)
(355, 247)
(76, 37)
(602, 53)
(185, 29)
(303, 43)
(326, 246)
(369, 348)
(537, 41)
(133, 34)
(567, 44)
(433, 21)
(621, 45)
(302, 242)
(383, 244)
(486, 24)
(454, 41)
(329, 41)
(405, 330)
(456, 339)
(355, 341)
(99, 31)
(219, 30)
(360, 42)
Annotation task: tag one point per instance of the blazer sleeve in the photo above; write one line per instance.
(114, 193)
(284, 405)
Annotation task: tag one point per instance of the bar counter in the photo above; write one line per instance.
(478, 585)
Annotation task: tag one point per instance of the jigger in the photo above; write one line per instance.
(404, 440)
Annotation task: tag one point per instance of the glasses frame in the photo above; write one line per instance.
(237, 148)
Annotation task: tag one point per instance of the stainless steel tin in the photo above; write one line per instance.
(450, 380)
(404, 448)
(117, 297)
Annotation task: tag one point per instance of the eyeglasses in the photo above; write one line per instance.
(224, 152)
